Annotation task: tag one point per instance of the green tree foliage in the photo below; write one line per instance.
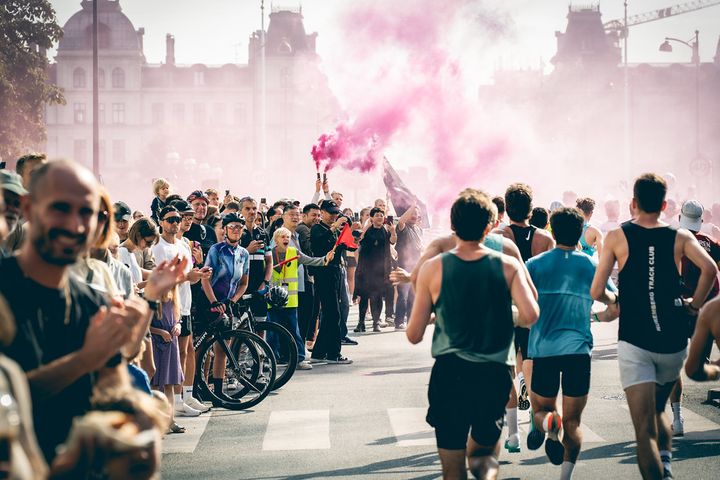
(27, 29)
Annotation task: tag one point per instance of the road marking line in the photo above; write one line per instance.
(186, 442)
(410, 428)
(298, 430)
(696, 426)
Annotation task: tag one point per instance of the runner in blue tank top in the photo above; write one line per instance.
(652, 337)
(470, 289)
(591, 240)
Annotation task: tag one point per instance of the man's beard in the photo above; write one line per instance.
(43, 245)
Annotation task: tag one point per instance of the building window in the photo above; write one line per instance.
(240, 114)
(79, 80)
(79, 112)
(198, 78)
(118, 78)
(101, 113)
(198, 114)
(179, 113)
(219, 113)
(158, 113)
(118, 113)
(101, 78)
(80, 151)
(118, 147)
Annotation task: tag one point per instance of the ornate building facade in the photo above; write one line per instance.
(198, 125)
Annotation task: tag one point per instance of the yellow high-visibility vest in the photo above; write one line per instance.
(288, 278)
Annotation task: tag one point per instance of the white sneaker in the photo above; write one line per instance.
(193, 402)
(678, 427)
(182, 409)
(304, 365)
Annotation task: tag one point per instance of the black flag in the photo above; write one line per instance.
(400, 195)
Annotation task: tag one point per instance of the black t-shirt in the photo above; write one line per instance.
(46, 331)
(202, 234)
(322, 240)
(257, 259)
(409, 246)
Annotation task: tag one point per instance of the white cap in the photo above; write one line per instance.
(691, 215)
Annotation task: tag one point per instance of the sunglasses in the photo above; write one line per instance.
(235, 228)
(172, 219)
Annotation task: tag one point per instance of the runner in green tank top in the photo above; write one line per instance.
(470, 289)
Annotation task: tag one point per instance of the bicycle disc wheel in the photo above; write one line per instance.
(284, 348)
(249, 369)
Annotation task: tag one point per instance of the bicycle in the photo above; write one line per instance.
(250, 368)
(278, 337)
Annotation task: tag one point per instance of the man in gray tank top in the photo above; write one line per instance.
(471, 289)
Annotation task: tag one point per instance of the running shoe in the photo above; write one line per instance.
(197, 404)
(553, 448)
(512, 443)
(523, 400)
(678, 427)
(340, 360)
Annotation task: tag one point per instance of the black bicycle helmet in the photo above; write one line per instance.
(232, 218)
(277, 296)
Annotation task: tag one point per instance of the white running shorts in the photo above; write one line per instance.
(642, 366)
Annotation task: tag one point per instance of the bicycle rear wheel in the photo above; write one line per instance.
(250, 369)
(284, 348)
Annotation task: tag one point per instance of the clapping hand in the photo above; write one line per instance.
(164, 277)
(399, 276)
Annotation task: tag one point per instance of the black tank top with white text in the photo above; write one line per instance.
(652, 315)
(523, 240)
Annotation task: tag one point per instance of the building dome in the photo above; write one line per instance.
(115, 31)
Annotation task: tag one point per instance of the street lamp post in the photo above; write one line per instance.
(700, 165)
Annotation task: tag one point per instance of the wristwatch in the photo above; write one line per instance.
(153, 304)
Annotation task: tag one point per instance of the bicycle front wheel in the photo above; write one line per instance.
(248, 367)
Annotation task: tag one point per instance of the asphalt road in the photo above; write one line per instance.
(366, 421)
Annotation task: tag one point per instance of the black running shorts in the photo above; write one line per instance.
(575, 371)
(522, 335)
(258, 305)
(467, 396)
(186, 327)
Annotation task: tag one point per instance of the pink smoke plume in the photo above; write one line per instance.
(406, 83)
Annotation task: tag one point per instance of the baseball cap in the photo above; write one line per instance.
(122, 211)
(330, 207)
(691, 215)
(197, 194)
(182, 206)
(12, 182)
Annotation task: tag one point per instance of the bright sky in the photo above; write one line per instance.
(217, 31)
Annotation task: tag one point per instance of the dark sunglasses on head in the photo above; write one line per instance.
(172, 219)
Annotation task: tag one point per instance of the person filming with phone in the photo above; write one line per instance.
(373, 270)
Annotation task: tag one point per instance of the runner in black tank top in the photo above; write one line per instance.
(523, 240)
(652, 315)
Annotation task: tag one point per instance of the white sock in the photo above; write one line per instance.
(512, 421)
(676, 409)
(178, 398)
(666, 457)
(187, 392)
(566, 470)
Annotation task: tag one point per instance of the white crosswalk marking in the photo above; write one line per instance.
(410, 428)
(188, 441)
(696, 426)
(298, 430)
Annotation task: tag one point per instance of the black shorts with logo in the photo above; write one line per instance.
(575, 372)
(186, 325)
(466, 396)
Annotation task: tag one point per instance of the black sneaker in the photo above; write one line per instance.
(523, 400)
(554, 451)
(348, 341)
(340, 360)
(535, 439)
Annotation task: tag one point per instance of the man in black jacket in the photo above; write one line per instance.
(328, 284)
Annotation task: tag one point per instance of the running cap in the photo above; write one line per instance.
(691, 215)
(182, 206)
(330, 207)
(12, 182)
(197, 194)
(122, 212)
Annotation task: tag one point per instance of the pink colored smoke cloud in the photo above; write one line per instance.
(406, 84)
